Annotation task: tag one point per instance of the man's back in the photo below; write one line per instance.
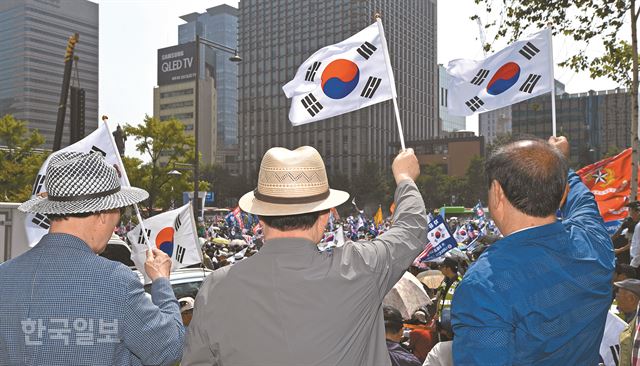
(293, 305)
(541, 293)
(64, 305)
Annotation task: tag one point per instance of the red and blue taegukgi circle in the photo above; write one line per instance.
(164, 240)
(339, 78)
(506, 76)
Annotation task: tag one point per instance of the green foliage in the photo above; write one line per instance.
(584, 21)
(371, 186)
(19, 163)
(167, 146)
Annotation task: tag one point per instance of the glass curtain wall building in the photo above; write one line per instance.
(33, 40)
(277, 36)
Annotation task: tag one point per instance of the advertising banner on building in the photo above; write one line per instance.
(176, 64)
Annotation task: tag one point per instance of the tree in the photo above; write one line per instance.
(586, 22)
(476, 182)
(370, 186)
(19, 163)
(166, 144)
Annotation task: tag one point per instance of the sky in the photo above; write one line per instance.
(131, 32)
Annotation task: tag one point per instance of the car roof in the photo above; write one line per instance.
(183, 275)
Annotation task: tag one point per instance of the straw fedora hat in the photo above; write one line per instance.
(291, 183)
(80, 183)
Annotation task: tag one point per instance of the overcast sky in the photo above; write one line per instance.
(131, 31)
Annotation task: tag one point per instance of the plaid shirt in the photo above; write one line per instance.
(64, 305)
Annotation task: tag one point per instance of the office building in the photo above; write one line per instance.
(174, 97)
(498, 122)
(595, 122)
(33, 40)
(452, 151)
(276, 37)
(220, 25)
(448, 122)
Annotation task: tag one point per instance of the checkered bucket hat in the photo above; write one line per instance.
(79, 183)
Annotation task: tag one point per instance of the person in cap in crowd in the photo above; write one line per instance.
(541, 294)
(186, 309)
(393, 331)
(624, 271)
(628, 296)
(63, 304)
(449, 269)
(279, 307)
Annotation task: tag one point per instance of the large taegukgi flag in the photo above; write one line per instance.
(341, 78)
(517, 72)
(609, 181)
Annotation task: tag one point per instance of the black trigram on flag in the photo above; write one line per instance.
(474, 103)
(480, 77)
(96, 149)
(366, 50)
(42, 221)
(37, 185)
(311, 71)
(177, 224)
(370, 87)
(141, 236)
(311, 104)
(530, 83)
(180, 251)
(529, 50)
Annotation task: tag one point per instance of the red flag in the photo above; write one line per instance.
(608, 180)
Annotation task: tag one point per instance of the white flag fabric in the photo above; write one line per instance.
(610, 345)
(341, 78)
(99, 141)
(173, 232)
(516, 73)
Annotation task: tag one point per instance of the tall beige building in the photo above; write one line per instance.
(175, 97)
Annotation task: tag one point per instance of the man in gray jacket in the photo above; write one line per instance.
(291, 304)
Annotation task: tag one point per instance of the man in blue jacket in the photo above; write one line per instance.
(540, 295)
(62, 304)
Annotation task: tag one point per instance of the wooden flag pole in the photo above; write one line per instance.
(126, 179)
(553, 81)
(391, 79)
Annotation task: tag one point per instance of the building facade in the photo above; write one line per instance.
(33, 40)
(174, 97)
(448, 122)
(276, 37)
(452, 151)
(219, 24)
(498, 122)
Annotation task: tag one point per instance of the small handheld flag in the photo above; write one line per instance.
(520, 71)
(440, 240)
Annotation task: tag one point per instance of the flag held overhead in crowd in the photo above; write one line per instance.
(99, 141)
(341, 78)
(173, 232)
(518, 72)
(440, 240)
(609, 181)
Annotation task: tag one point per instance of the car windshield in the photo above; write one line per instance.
(187, 289)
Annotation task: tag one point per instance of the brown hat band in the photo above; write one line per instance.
(291, 200)
(84, 197)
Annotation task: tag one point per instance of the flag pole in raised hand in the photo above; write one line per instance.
(126, 179)
(390, 72)
(552, 81)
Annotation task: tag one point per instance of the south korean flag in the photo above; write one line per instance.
(520, 71)
(440, 240)
(341, 78)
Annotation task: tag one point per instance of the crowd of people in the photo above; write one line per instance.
(531, 285)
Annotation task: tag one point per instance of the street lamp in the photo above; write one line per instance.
(173, 174)
(196, 165)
